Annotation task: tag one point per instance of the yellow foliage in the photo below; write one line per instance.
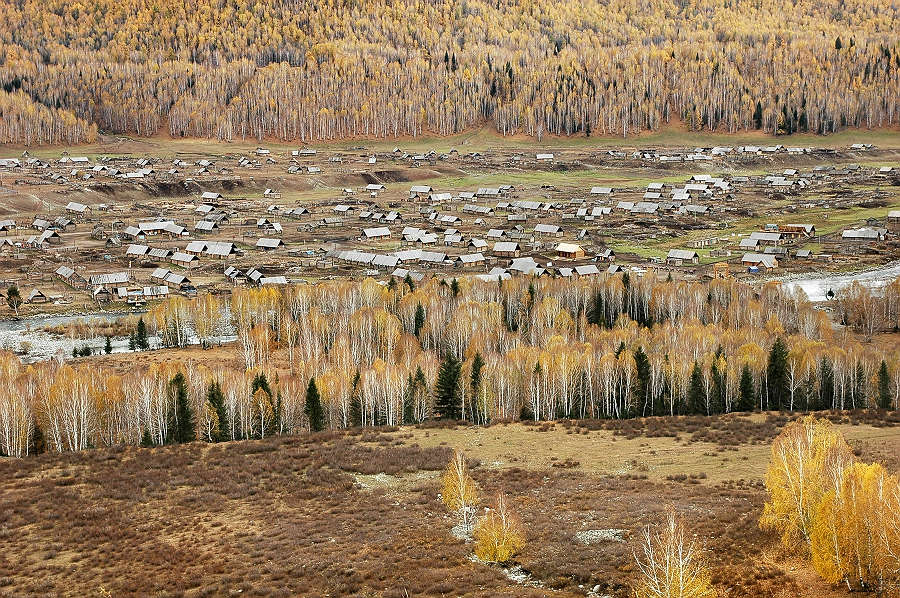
(458, 489)
(499, 535)
(670, 565)
(856, 536)
(807, 459)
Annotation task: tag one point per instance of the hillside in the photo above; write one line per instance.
(229, 69)
(357, 513)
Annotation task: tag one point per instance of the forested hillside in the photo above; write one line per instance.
(230, 69)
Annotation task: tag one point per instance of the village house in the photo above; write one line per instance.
(377, 233)
(509, 249)
(569, 251)
(759, 261)
(677, 257)
(268, 244)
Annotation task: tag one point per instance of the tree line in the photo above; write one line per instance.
(238, 69)
(342, 353)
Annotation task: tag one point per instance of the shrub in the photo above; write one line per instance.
(499, 535)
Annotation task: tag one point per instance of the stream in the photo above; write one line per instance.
(817, 287)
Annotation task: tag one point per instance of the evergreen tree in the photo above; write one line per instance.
(107, 348)
(777, 382)
(313, 409)
(38, 443)
(746, 391)
(408, 281)
(477, 367)
(185, 426)
(355, 402)
(408, 398)
(826, 386)
(642, 389)
(858, 391)
(217, 399)
(260, 381)
(454, 288)
(447, 391)
(883, 387)
(696, 397)
(419, 321)
(717, 392)
(596, 313)
(132, 342)
(146, 439)
(141, 339)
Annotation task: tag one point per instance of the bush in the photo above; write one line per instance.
(499, 535)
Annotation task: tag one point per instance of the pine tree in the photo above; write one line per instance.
(717, 393)
(38, 444)
(642, 388)
(217, 399)
(260, 381)
(777, 382)
(447, 389)
(826, 386)
(141, 339)
(454, 288)
(746, 391)
(107, 348)
(146, 439)
(313, 409)
(883, 389)
(185, 427)
(419, 320)
(696, 398)
(355, 402)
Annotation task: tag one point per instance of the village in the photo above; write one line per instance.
(80, 232)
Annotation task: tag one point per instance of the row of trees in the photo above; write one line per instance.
(384, 355)
(235, 69)
(544, 349)
(843, 514)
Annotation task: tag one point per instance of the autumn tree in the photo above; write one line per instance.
(458, 489)
(13, 298)
(498, 534)
(806, 461)
(670, 565)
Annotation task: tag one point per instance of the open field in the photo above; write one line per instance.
(357, 514)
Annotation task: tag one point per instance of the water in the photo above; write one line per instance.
(27, 333)
(816, 287)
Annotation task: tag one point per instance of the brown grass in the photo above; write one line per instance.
(357, 513)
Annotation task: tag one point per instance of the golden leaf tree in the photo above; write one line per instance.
(499, 535)
(670, 565)
(806, 462)
(458, 489)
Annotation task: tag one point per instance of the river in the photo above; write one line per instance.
(817, 287)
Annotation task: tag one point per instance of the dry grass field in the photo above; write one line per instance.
(357, 513)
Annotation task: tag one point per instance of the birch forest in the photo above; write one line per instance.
(291, 70)
(482, 352)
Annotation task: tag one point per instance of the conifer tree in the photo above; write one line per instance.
(746, 391)
(447, 391)
(313, 409)
(419, 320)
(696, 397)
(217, 399)
(777, 382)
(185, 426)
(883, 387)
